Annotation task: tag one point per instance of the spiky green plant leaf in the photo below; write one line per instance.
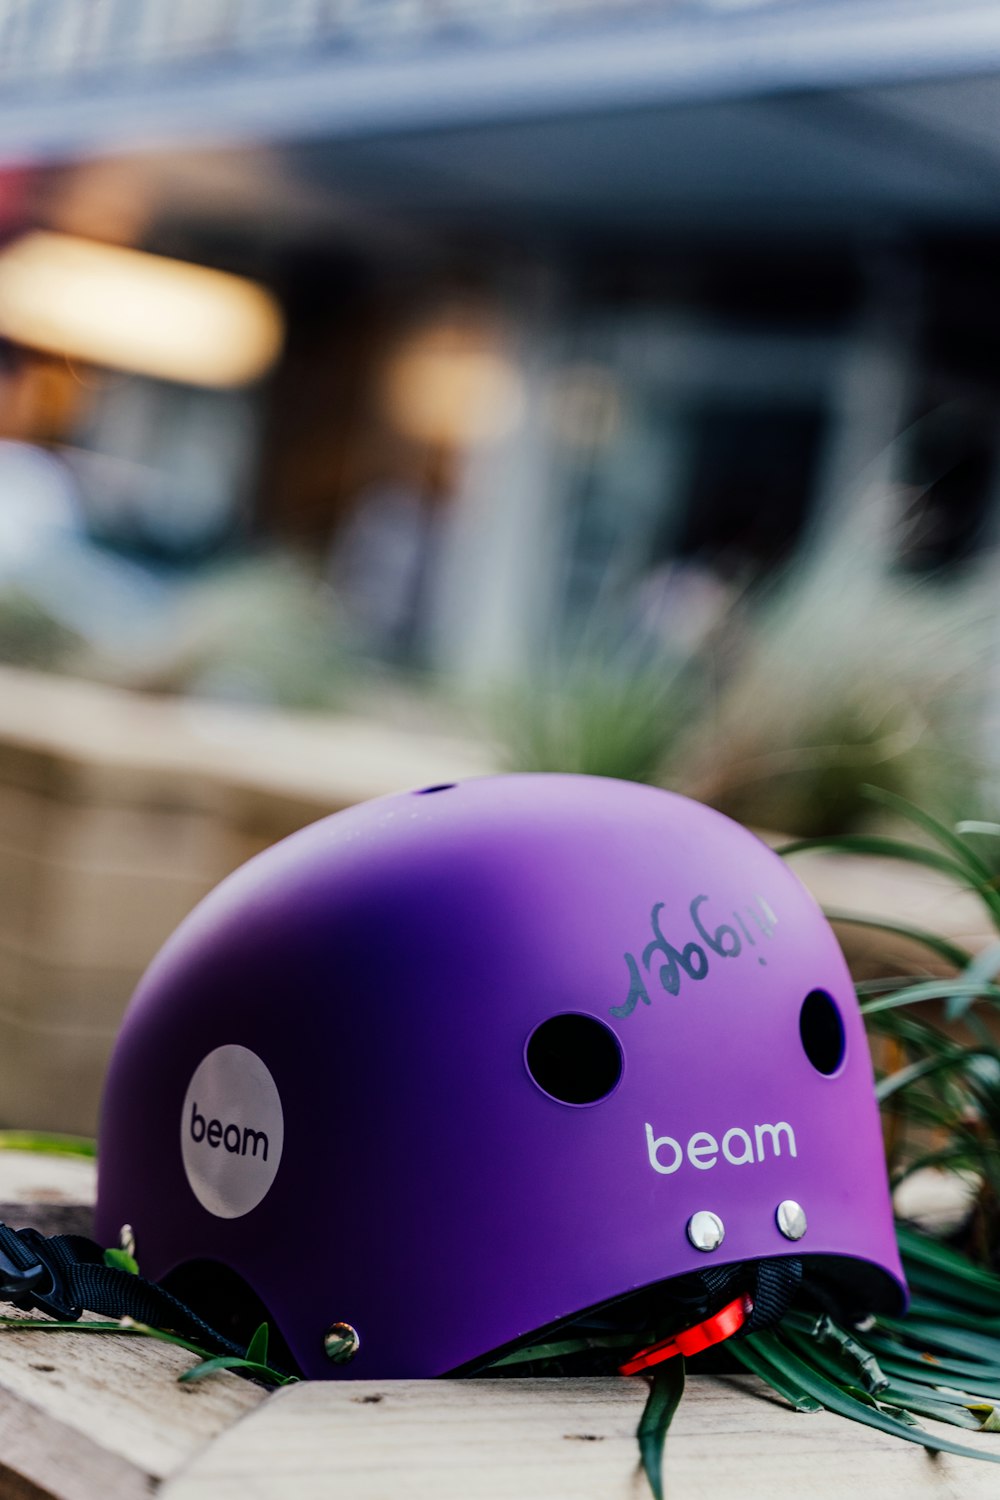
(894, 848)
(120, 1260)
(257, 1347)
(952, 952)
(665, 1391)
(248, 1367)
(948, 838)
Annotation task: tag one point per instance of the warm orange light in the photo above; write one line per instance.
(132, 311)
(449, 386)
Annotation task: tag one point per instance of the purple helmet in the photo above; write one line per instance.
(454, 1066)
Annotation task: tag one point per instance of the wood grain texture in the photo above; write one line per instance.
(52, 1193)
(121, 1392)
(40, 1462)
(88, 1417)
(91, 1416)
(557, 1440)
(37, 1178)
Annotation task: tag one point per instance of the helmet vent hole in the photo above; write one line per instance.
(822, 1032)
(574, 1058)
(444, 786)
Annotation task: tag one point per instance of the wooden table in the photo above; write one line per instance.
(102, 1417)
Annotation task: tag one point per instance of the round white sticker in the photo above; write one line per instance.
(232, 1131)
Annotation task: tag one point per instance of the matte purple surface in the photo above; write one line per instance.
(388, 964)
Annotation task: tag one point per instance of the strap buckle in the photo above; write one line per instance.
(721, 1325)
(41, 1284)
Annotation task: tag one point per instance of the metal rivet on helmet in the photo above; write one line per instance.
(791, 1217)
(705, 1230)
(341, 1343)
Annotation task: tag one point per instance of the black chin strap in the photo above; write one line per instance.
(770, 1284)
(65, 1274)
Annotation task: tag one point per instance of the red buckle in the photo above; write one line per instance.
(722, 1325)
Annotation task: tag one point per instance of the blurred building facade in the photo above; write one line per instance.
(592, 315)
(592, 310)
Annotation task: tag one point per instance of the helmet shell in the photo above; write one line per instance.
(379, 975)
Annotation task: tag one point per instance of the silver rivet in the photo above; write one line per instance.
(791, 1217)
(705, 1230)
(341, 1343)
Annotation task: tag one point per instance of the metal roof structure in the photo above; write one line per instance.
(90, 76)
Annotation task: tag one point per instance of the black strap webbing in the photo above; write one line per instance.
(66, 1273)
(771, 1285)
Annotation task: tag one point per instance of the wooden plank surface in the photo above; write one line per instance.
(558, 1440)
(93, 1416)
(84, 1416)
(52, 1193)
(87, 1417)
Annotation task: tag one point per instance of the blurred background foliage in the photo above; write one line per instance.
(802, 692)
(578, 386)
(800, 696)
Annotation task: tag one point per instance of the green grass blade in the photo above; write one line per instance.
(257, 1347)
(53, 1325)
(920, 1251)
(881, 845)
(932, 989)
(913, 1369)
(121, 1260)
(852, 1352)
(935, 1285)
(926, 1067)
(955, 1158)
(952, 953)
(948, 1395)
(941, 1369)
(562, 1347)
(950, 1338)
(917, 1029)
(900, 1413)
(835, 1399)
(944, 1310)
(207, 1363)
(132, 1325)
(751, 1353)
(825, 1360)
(665, 1391)
(890, 848)
(924, 1404)
(979, 970)
(884, 983)
(48, 1143)
(94, 1325)
(976, 825)
(940, 832)
(235, 1362)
